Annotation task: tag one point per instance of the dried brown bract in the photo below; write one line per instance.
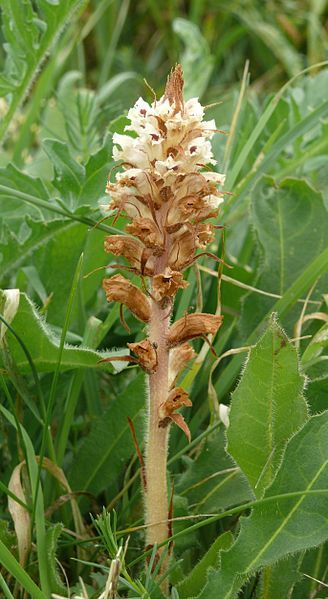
(177, 398)
(192, 326)
(121, 290)
(147, 355)
(166, 284)
(179, 358)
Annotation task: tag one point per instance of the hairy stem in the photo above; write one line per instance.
(156, 502)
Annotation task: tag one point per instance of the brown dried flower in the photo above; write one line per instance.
(146, 353)
(120, 289)
(179, 358)
(166, 284)
(193, 325)
(177, 398)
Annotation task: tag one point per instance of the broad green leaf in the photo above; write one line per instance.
(290, 225)
(80, 185)
(81, 114)
(17, 249)
(277, 528)
(195, 581)
(196, 60)
(267, 408)
(30, 31)
(13, 181)
(212, 481)
(100, 461)
(69, 174)
(43, 344)
(56, 270)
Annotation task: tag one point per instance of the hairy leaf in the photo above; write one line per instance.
(267, 407)
(43, 344)
(282, 526)
(17, 249)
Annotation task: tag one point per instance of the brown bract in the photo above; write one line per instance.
(179, 358)
(193, 325)
(166, 284)
(120, 289)
(148, 232)
(131, 249)
(174, 88)
(204, 235)
(177, 398)
(147, 355)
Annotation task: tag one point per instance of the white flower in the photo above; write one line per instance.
(213, 201)
(194, 109)
(163, 166)
(218, 178)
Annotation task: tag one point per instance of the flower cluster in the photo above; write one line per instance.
(168, 193)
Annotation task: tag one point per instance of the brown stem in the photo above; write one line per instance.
(156, 501)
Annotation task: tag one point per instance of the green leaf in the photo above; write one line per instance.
(52, 535)
(69, 174)
(18, 248)
(30, 30)
(196, 60)
(104, 452)
(290, 224)
(212, 482)
(267, 407)
(283, 575)
(193, 583)
(79, 185)
(308, 277)
(43, 344)
(13, 567)
(317, 345)
(282, 526)
(13, 181)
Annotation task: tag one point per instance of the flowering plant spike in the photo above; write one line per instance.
(168, 193)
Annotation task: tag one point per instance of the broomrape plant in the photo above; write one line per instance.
(168, 194)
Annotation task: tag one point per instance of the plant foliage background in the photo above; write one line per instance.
(70, 71)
